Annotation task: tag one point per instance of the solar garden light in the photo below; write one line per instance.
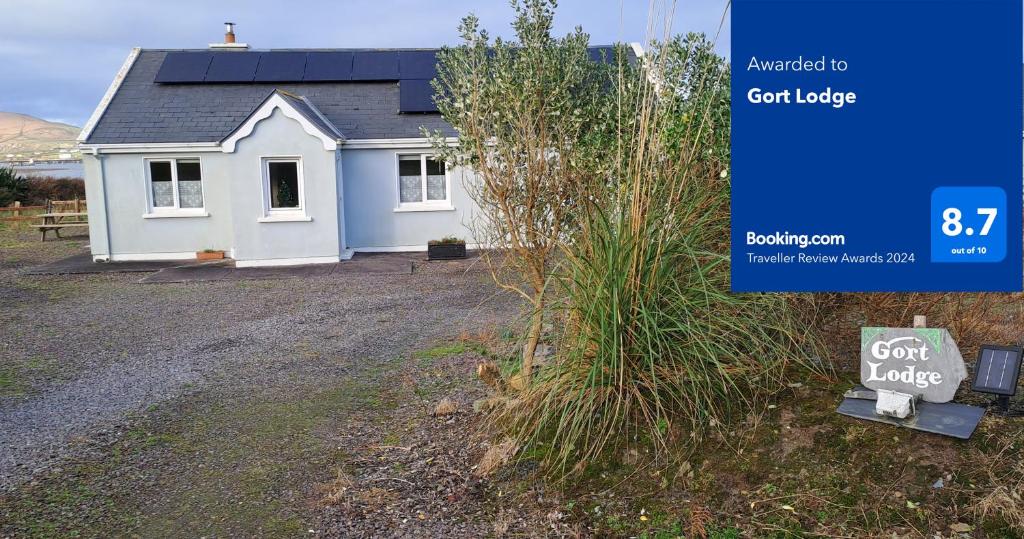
(996, 373)
(895, 404)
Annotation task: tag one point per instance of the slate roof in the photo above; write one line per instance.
(143, 111)
(310, 112)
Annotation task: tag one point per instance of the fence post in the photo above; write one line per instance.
(78, 205)
(17, 204)
(920, 321)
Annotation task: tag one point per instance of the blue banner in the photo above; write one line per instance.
(877, 145)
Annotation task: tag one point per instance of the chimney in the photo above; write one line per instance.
(229, 39)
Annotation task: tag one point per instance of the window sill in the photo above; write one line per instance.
(175, 214)
(292, 218)
(424, 207)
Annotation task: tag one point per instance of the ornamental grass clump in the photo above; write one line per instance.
(654, 347)
(604, 189)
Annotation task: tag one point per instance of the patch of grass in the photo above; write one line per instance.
(6, 380)
(854, 488)
(147, 440)
(219, 467)
(17, 375)
(724, 533)
(68, 508)
(10, 385)
(52, 288)
(427, 357)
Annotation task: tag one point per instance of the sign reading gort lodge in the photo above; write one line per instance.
(921, 361)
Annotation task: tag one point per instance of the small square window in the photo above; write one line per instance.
(283, 198)
(175, 184)
(421, 179)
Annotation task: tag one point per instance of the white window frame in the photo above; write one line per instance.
(153, 211)
(279, 215)
(424, 204)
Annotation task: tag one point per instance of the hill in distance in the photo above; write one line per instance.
(27, 137)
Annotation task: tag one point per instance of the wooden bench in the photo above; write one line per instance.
(57, 221)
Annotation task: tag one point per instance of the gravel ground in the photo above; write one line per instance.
(305, 407)
(88, 360)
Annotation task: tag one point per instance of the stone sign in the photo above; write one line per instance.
(921, 361)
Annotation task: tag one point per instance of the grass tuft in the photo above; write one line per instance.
(656, 349)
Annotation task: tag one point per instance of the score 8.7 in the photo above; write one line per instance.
(968, 224)
(951, 225)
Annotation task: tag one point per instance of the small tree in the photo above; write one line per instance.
(529, 116)
(12, 187)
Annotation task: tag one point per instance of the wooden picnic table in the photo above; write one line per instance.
(57, 221)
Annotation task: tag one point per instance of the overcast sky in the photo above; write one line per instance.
(57, 57)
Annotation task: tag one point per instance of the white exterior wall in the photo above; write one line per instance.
(370, 180)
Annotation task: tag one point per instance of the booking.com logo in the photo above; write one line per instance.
(800, 240)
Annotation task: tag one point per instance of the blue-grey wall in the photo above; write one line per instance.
(370, 180)
(280, 136)
(132, 234)
(361, 183)
(233, 191)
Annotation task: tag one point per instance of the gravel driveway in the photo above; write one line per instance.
(80, 356)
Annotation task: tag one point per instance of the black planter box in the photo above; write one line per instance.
(446, 251)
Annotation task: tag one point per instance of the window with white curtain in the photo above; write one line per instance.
(422, 182)
(174, 184)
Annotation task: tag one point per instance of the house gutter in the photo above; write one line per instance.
(152, 147)
(382, 143)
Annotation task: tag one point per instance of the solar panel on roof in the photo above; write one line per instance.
(375, 65)
(416, 95)
(281, 67)
(997, 369)
(328, 66)
(233, 67)
(184, 67)
(417, 64)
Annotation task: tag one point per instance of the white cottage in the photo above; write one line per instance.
(277, 157)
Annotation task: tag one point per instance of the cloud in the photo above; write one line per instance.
(64, 53)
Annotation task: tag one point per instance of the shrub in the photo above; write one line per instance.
(13, 187)
(447, 240)
(528, 115)
(41, 189)
(654, 344)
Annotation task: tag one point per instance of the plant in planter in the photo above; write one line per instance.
(209, 254)
(448, 248)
